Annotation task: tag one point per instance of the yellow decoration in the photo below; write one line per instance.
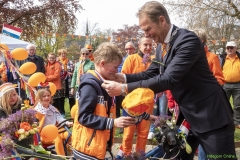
(19, 54)
(52, 88)
(49, 133)
(4, 46)
(28, 68)
(36, 78)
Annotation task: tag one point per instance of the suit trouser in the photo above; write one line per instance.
(217, 144)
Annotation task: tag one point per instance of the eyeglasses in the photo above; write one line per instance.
(51, 58)
(85, 54)
(229, 48)
(128, 49)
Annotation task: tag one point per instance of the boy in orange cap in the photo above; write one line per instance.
(134, 64)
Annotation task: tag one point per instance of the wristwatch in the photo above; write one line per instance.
(124, 89)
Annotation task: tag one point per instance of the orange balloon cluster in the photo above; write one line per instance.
(29, 68)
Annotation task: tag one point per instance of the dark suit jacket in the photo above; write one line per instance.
(186, 73)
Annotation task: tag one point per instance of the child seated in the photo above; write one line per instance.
(49, 115)
(10, 102)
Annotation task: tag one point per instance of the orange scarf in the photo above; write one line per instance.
(64, 62)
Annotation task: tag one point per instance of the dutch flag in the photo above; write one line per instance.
(11, 31)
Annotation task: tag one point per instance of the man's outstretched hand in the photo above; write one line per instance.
(112, 88)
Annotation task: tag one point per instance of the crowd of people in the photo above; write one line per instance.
(175, 63)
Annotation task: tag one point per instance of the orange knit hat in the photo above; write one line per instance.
(138, 101)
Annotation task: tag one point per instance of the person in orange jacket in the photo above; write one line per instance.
(53, 74)
(213, 60)
(136, 63)
(95, 111)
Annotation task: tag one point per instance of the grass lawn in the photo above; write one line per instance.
(67, 110)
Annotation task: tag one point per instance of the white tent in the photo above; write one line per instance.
(13, 43)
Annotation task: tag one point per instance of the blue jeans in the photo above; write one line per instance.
(201, 154)
(160, 110)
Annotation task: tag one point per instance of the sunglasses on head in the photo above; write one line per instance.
(85, 54)
(230, 47)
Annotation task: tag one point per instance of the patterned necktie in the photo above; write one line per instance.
(164, 49)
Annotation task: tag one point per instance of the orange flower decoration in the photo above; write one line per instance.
(16, 134)
(26, 126)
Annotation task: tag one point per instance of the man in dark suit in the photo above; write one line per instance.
(185, 72)
(37, 60)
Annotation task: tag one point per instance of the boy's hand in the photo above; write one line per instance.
(152, 118)
(123, 122)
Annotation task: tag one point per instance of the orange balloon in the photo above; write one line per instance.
(52, 88)
(28, 68)
(49, 133)
(19, 54)
(4, 46)
(36, 78)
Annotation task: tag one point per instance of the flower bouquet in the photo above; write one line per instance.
(15, 129)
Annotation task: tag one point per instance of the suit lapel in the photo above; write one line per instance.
(170, 45)
(159, 51)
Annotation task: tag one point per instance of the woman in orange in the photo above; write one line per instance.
(53, 71)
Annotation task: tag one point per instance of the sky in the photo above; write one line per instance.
(108, 14)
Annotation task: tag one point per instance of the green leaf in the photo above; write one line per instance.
(39, 149)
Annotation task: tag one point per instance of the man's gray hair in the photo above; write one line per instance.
(30, 45)
(85, 50)
(130, 43)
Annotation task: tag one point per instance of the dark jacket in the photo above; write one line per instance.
(186, 74)
(88, 100)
